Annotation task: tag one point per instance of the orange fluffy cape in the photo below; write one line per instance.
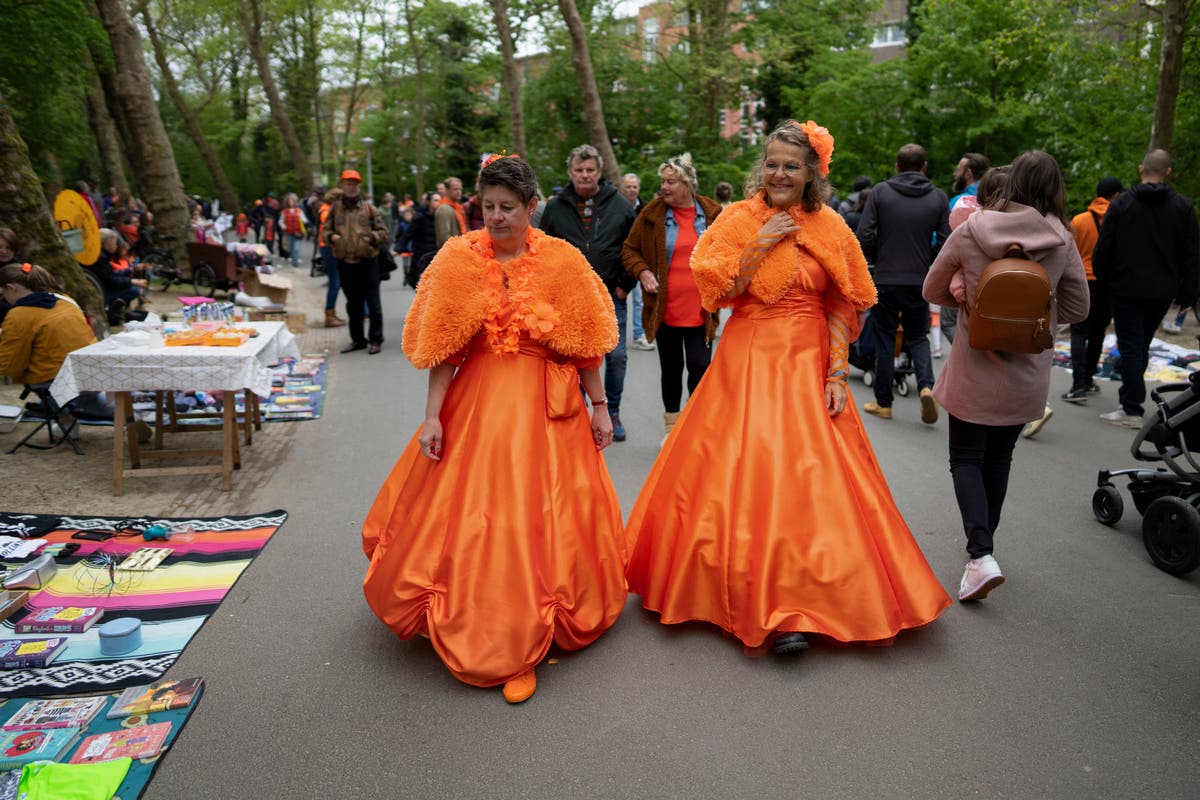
(453, 299)
(823, 234)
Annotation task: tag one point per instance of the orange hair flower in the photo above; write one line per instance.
(488, 158)
(821, 141)
(26, 267)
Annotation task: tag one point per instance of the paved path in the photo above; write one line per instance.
(1077, 678)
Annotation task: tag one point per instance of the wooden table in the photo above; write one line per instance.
(108, 366)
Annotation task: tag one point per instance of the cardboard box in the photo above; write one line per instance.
(274, 287)
(296, 321)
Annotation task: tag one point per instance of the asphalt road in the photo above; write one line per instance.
(1078, 678)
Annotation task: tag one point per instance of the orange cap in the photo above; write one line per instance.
(351, 175)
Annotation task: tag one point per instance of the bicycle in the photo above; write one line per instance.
(161, 262)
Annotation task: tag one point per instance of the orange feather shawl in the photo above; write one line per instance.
(453, 301)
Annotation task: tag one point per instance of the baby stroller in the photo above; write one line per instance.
(1167, 498)
(862, 356)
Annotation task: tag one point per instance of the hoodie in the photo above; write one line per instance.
(985, 386)
(904, 223)
(1086, 227)
(1149, 245)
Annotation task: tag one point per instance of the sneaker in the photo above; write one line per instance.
(928, 406)
(520, 688)
(1170, 326)
(1119, 417)
(789, 643)
(618, 428)
(642, 343)
(936, 353)
(877, 410)
(980, 577)
(1031, 429)
(1078, 395)
(1093, 388)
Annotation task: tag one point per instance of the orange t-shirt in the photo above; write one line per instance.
(683, 298)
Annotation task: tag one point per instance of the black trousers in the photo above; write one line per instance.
(1087, 338)
(1135, 321)
(980, 459)
(360, 282)
(677, 347)
(900, 305)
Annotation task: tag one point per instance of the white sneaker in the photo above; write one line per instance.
(1031, 429)
(641, 343)
(1119, 417)
(980, 577)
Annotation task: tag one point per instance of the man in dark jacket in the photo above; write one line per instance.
(903, 226)
(592, 215)
(1148, 254)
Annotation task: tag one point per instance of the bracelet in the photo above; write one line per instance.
(602, 402)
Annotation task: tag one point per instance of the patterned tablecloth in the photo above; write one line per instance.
(107, 366)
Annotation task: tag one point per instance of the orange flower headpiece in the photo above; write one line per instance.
(821, 141)
(26, 267)
(489, 158)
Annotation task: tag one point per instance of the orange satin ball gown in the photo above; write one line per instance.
(513, 540)
(762, 513)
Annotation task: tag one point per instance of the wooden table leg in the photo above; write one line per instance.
(248, 411)
(131, 434)
(229, 433)
(161, 398)
(121, 410)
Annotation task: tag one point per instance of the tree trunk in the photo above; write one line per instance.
(108, 140)
(593, 111)
(511, 77)
(158, 174)
(310, 56)
(250, 14)
(418, 139)
(225, 191)
(1170, 67)
(23, 208)
(356, 90)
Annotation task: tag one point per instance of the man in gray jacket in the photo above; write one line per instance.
(903, 226)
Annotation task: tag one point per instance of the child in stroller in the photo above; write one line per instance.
(1167, 498)
(862, 356)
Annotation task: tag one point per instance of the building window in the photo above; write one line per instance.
(889, 35)
(650, 40)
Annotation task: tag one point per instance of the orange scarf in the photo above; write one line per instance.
(822, 233)
(553, 296)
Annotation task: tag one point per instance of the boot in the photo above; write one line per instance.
(669, 418)
(332, 320)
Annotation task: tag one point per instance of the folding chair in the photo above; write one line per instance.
(52, 412)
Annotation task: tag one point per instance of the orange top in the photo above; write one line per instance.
(683, 301)
(1086, 231)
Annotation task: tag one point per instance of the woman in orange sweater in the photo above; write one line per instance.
(42, 327)
(766, 513)
(498, 531)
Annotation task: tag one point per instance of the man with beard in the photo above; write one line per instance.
(966, 184)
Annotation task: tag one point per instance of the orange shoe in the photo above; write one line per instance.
(520, 688)
(877, 410)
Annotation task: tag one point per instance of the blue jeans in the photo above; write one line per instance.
(1135, 321)
(335, 278)
(292, 242)
(616, 361)
(636, 310)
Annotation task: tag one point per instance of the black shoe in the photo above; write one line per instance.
(618, 428)
(1093, 388)
(350, 348)
(1077, 395)
(789, 643)
(116, 312)
(372, 349)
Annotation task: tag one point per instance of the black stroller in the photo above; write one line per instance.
(1166, 498)
(862, 356)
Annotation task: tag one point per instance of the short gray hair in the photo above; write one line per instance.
(585, 152)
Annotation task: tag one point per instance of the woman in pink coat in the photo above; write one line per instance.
(990, 395)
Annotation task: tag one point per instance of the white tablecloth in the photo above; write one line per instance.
(107, 366)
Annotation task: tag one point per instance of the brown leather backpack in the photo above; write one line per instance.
(1013, 300)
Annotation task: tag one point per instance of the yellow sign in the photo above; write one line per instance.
(76, 221)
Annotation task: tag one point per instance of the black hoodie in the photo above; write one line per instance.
(904, 223)
(611, 221)
(1149, 245)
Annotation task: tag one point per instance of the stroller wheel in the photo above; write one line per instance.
(1107, 504)
(869, 378)
(1171, 533)
(902, 387)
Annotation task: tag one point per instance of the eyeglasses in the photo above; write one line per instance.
(791, 170)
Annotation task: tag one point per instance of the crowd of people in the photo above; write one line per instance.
(765, 512)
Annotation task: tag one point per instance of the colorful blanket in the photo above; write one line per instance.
(172, 600)
(141, 770)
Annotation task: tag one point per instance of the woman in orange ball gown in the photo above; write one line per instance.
(766, 512)
(498, 531)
